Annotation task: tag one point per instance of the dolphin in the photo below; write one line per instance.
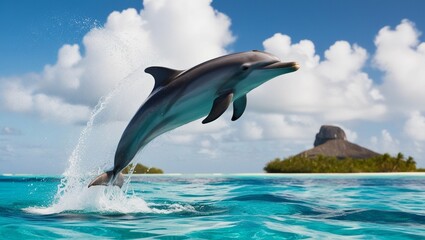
(180, 97)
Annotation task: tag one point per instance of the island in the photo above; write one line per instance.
(333, 153)
(141, 169)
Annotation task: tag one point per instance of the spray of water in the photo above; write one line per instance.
(73, 195)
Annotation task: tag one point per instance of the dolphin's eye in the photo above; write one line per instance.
(245, 67)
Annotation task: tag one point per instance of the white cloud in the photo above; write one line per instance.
(65, 74)
(19, 99)
(252, 130)
(278, 126)
(55, 109)
(401, 56)
(351, 135)
(335, 88)
(415, 126)
(195, 131)
(386, 137)
(192, 32)
(207, 148)
(10, 131)
(128, 43)
(385, 143)
(16, 97)
(181, 138)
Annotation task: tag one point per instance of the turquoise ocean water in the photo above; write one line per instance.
(217, 207)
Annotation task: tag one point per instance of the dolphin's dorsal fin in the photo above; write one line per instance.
(162, 75)
(239, 106)
(219, 107)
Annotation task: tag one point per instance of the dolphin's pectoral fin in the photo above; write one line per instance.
(162, 75)
(108, 178)
(239, 106)
(219, 107)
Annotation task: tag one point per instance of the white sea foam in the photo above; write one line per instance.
(106, 200)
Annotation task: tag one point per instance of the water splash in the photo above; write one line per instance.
(74, 195)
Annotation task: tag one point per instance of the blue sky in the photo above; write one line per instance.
(58, 58)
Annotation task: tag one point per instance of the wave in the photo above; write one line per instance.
(379, 216)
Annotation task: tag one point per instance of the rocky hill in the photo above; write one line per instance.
(331, 141)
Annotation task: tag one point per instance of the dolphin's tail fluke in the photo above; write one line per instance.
(108, 178)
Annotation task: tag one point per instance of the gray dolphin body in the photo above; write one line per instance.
(180, 97)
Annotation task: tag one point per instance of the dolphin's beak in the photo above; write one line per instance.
(291, 66)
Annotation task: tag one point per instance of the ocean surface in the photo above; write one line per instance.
(371, 206)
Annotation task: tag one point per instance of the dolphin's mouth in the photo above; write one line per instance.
(283, 65)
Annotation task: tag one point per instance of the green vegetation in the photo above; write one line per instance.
(142, 169)
(323, 164)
